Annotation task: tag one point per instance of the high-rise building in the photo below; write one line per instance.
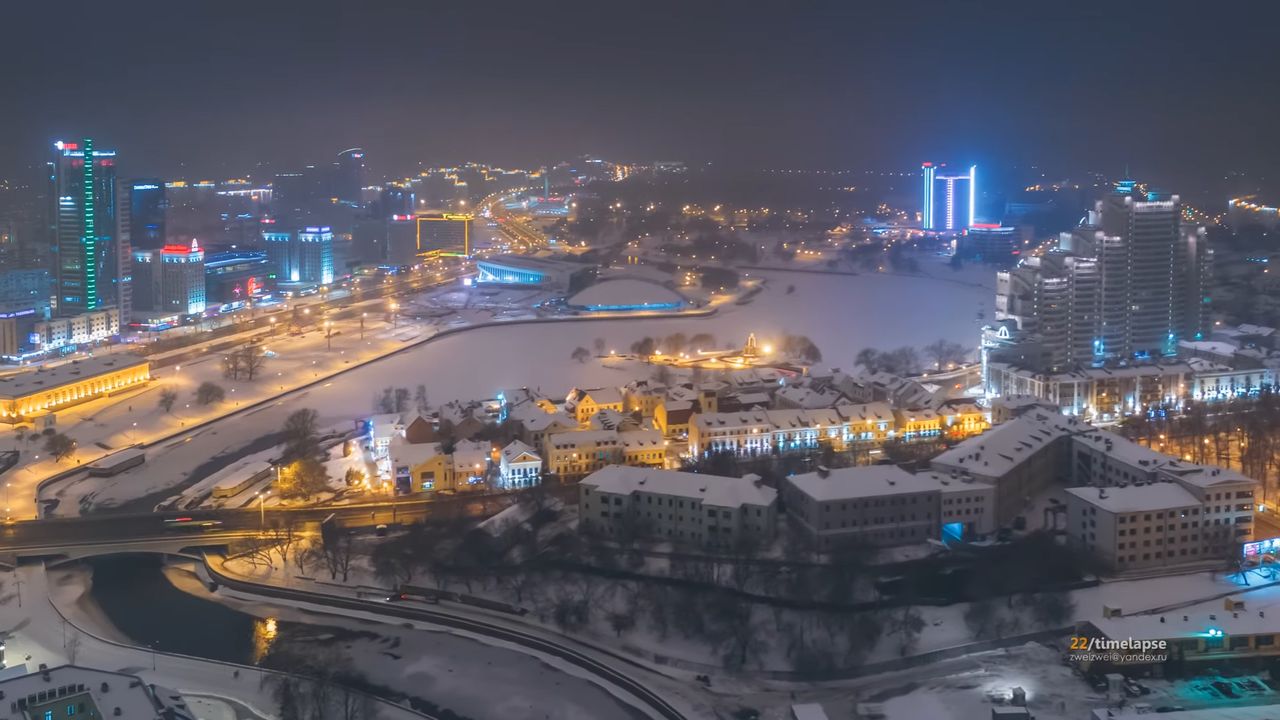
(947, 204)
(443, 233)
(90, 230)
(147, 208)
(1126, 285)
(349, 175)
(301, 256)
(169, 282)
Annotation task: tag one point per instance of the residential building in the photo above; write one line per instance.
(519, 466)
(88, 327)
(586, 403)
(575, 454)
(70, 692)
(990, 243)
(885, 505)
(745, 433)
(643, 448)
(1097, 393)
(1128, 284)
(1150, 525)
(426, 467)
(1021, 458)
(693, 508)
(27, 394)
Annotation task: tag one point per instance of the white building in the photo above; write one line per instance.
(1140, 526)
(70, 691)
(695, 508)
(519, 466)
(885, 505)
(471, 462)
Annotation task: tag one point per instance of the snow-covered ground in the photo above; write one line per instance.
(840, 313)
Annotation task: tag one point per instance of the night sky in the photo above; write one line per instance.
(1179, 91)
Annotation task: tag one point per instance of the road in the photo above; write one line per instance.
(49, 536)
(603, 670)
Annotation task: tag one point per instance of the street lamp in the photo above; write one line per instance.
(262, 500)
(328, 335)
(362, 316)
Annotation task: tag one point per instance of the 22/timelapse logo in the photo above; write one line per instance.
(1126, 650)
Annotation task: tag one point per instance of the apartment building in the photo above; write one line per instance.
(685, 508)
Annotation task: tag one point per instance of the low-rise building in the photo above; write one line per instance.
(589, 402)
(745, 433)
(426, 467)
(575, 454)
(70, 692)
(519, 466)
(694, 508)
(872, 505)
(1021, 458)
(643, 448)
(27, 394)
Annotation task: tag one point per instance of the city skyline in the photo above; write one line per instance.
(848, 88)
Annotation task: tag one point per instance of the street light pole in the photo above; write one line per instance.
(262, 509)
(362, 324)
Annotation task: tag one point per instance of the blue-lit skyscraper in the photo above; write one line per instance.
(949, 198)
(303, 256)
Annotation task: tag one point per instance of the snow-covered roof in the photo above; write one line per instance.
(471, 454)
(866, 412)
(1122, 449)
(741, 418)
(1204, 476)
(808, 711)
(626, 293)
(1261, 615)
(42, 379)
(605, 396)
(1256, 712)
(515, 448)
(135, 700)
(861, 482)
(406, 453)
(641, 439)
(579, 438)
(1006, 446)
(715, 490)
(1136, 498)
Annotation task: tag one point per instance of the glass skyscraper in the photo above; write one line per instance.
(90, 233)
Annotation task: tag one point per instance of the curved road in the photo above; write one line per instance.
(600, 670)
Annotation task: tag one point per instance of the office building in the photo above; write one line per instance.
(231, 278)
(147, 208)
(443, 234)
(301, 256)
(169, 283)
(990, 243)
(949, 197)
(90, 230)
(349, 173)
(692, 508)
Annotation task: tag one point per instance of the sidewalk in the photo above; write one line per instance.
(45, 624)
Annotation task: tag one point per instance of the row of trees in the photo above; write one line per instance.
(400, 399)
(906, 360)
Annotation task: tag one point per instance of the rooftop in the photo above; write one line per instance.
(1261, 614)
(1006, 446)
(862, 482)
(41, 379)
(1136, 498)
(710, 489)
(126, 696)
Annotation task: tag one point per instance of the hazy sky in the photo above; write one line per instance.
(1184, 90)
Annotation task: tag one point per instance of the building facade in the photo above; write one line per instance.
(90, 230)
(27, 394)
(684, 508)
(949, 197)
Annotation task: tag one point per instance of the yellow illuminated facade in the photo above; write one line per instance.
(33, 393)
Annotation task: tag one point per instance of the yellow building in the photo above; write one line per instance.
(643, 448)
(918, 423)
(574, 455)
(591, 402)
(27, 394)
(964, 418)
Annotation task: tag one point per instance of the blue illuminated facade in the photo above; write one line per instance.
(493, 273)
(949, 198)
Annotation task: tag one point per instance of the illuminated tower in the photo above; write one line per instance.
(349, 179)
(949, 198)
(90, 231)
